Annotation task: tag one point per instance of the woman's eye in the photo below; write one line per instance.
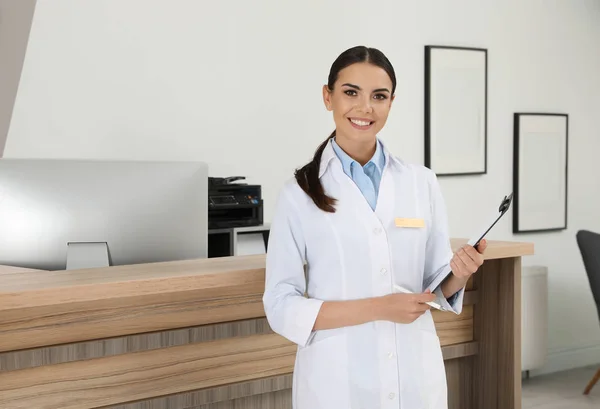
(350, 92)
(380, 96)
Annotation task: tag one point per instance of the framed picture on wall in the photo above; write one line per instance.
(456, 110)
(540, 171)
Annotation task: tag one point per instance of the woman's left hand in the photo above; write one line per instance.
(467, 260)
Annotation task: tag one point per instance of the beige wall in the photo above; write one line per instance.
(15, 24)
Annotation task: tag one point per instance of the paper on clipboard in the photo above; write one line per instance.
(430, 303)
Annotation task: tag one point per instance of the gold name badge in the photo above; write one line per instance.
(408, 222)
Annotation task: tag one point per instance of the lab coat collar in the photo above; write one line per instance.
(329, 155)
(378, 158)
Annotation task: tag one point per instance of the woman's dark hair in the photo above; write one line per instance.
(308, 175)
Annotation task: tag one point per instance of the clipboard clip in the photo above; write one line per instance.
(503, 208)
(505, 204)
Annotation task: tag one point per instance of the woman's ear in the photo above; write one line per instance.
(327, 97)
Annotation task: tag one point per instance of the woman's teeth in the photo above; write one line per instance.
(360, 123)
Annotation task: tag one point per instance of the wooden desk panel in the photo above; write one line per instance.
(68, 323)
(454, 329)
(142, 375)
(47, 308)
(93, 383)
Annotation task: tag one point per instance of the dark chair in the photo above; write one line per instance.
(589, 246)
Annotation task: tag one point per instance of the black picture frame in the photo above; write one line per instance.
(472, 56)
(543, 136)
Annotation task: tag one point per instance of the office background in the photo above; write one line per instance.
(238, 84)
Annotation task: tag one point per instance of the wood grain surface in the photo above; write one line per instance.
(58, 354)
(5, 270)
(497, 249)
(141, 375)
(275, 392)
(41, 308)
(232, 395)
(497, 322)
(67, 323)
(460, 350)
(452, 328)
(487, 322)
(36, 287)
(276, 400)
(509, 333)
(167, 371)
(31, 288)
(459, 378)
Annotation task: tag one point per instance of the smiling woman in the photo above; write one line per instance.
(359, 91)
(355, 223)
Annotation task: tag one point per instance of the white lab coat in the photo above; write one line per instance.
(352, 254)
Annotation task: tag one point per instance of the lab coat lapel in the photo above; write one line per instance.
(387, 192)
(387, 197)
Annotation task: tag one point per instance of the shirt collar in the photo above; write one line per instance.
(381, 151)
(378, 158)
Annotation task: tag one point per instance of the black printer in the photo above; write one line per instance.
(233, 204)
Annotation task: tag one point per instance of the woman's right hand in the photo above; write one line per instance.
(405, 308)
(399, 308)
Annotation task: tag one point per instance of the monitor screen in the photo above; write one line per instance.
(95, 212)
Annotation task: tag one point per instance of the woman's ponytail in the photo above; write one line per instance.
(308, 179)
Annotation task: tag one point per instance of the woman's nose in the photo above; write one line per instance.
(365, 106)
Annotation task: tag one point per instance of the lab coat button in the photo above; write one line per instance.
(383, 271)
(377, 230)
(390, 355)
(392, 395)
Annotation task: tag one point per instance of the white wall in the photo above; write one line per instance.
(238, 84)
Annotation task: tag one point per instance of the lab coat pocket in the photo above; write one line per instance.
(433, 386)
(322, 375)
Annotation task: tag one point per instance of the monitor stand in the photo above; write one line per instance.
(87, 255)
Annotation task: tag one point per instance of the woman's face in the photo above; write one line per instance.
(360, 101)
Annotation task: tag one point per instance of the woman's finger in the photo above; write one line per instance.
(482, 246)
(469, 263)
(458, 267)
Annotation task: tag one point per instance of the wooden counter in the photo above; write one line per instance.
(192, 334)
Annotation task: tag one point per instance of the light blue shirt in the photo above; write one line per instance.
(367, 177)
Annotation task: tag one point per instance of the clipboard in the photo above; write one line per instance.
(502, 209)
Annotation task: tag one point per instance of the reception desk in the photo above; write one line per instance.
(192, 334)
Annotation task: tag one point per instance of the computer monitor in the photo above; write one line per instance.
(69, 214)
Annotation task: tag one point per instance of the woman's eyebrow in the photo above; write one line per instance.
(358, 88)
(351, 86)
